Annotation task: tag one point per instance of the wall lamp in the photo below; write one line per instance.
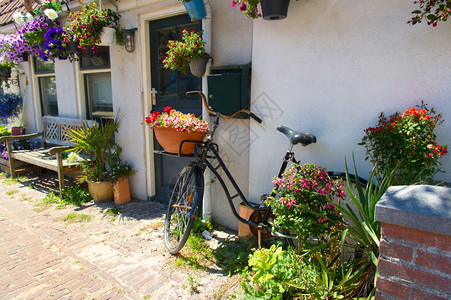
(129, 39)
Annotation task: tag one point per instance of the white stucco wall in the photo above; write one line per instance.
(330, 68)
(231, 45)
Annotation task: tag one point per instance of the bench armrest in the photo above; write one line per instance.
(21, 137)
(59, 149)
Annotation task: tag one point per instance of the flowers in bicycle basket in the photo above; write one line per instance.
(304, 202)
(171, 118)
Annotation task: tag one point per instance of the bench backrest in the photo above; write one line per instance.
(55, 129)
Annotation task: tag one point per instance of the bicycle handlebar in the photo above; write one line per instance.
(211, 111)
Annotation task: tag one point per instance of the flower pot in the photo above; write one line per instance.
(196, 9)
(121, 191)
(107, 36)
(100, 191)
(72, 47)
(199, 67)
(274, 9)
(170, 139)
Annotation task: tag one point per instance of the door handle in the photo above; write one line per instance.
(153, 95)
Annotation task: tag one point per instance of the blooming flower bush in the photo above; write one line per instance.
(13, 46)
(303, 201)
(406, 141)
(180, 53)
(10, 106)
(86, 26)
(33, 31)
(431, 10)
(172, 118)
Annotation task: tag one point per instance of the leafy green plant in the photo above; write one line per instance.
(200, 225)
(233, 254)
(180, 53)
(431, 10)
(363, 230)
(275, 273)
(97, 143)
(118, 169)
(87, 25)
(408, 141)
(75, 195)
(303, 202)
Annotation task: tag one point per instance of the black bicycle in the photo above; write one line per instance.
(186, 200)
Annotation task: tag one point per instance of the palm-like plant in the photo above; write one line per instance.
(364, 230)
(97, 144)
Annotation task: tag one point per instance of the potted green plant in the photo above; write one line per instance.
(171, 127)
(98, 147)
(271, 9)
(119, 172)
(195, 8)
(304, 203)
(406, 141)
(190, 50)
(89, 24)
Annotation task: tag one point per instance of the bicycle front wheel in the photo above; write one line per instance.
(183, 208)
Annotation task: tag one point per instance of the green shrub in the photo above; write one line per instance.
(75, 195)
(275, 273)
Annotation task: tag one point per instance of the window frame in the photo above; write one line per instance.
(38, 75)
(84, 71)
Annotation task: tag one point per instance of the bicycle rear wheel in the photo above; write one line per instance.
(183, 208)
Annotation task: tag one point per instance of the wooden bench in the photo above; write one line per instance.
(54, 143)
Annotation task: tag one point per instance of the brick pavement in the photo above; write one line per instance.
(44, 257)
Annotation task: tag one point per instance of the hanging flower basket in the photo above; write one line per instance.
(196, 9)
(170, 139)
(274, 9)
(199, 67)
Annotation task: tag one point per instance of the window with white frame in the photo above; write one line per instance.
(45, 76)
(96, 71)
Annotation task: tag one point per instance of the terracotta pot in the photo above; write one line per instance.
(170, 139)
(199, 67)
(121, 191)
(100, 191)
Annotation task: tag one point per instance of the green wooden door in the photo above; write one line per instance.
(171, 88)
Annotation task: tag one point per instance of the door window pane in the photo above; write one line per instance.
(49, 103)
(99, 94)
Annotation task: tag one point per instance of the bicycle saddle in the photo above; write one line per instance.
(297, 137)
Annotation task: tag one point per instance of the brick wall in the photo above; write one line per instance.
(415, 248)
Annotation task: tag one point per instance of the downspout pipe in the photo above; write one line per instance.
(206, 24)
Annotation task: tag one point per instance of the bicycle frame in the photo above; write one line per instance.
(203, 162)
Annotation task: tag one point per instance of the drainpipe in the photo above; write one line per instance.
(206, 212)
